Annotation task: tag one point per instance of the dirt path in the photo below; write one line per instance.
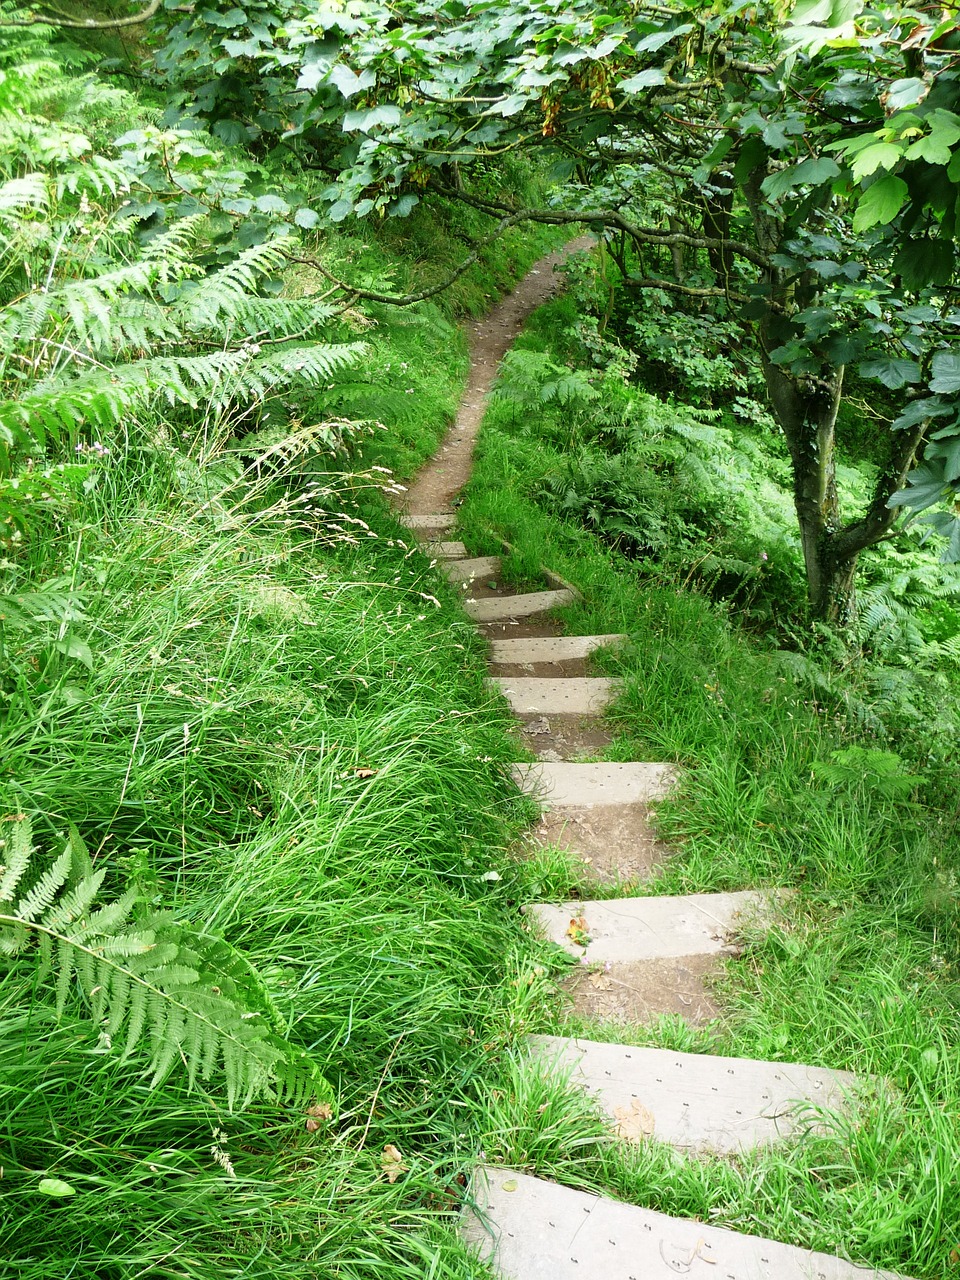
(490, 338)
(638, 955)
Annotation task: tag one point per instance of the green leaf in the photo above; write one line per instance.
(271, 204)
(945, 368)
(919, 411)
(881, 155)
(924, 261)
(371, 118)
(880, 203)
(55, 1187)
(806, 173)
(73, 647)
(891, 372)
(306, 218)
(348, 82)
(643, 80)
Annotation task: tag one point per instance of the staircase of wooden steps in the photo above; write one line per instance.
(648, 953)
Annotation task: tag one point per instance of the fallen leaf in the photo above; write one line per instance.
(600, 981)
(316, 1114)
(578, 932)
(634, 1123)
(510, 1185)
(55, 1187)
(364, 773)
(392, 1163)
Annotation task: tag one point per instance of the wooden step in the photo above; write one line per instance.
(625, 930)
(429, 523)
(531, 1229)
(504, 608)
(697, 1101)
(475, 567)
(537, 695)
(586, 785)
(549, 648)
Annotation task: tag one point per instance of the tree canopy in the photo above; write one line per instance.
(793, 168)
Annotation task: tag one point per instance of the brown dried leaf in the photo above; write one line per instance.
(634, 1123)
(322, 1111)
(578, 932)
(392, 1163)
(600, 981)
(365, 773)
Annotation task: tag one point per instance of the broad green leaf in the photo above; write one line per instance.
(348, 82)
(643, 80)
(371, 118)
(880, 203)
(891, 372)
(918, 411)
(807, 173)
(55, 1187)
(945, 368)
(923, 261)
(881, 155)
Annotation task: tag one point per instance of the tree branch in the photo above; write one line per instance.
(688, 291)
(82, 24)
(408, 299)
(612, 218)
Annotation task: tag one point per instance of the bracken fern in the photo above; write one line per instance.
(154, 986)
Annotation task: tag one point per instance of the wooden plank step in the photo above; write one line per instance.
(550, 648)
(625, 930)
(430, 523)
(504, 608)
(586, 785)
(476, 567)
(537, 695)
(697, 1101)
(530, 1229)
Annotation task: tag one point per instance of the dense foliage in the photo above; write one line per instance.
(734, 158)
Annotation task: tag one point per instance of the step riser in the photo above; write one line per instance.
(445, 550)
(530, 695)
(505, 608)
(696, 1101)
(529, 1229)
(428, 523)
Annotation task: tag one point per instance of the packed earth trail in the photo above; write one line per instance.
(639, 956)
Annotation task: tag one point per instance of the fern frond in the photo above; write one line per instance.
(17, 851)
(224, 293)
(181, 995)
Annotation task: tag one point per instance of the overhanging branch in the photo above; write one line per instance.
(408, 299)
(81, 24)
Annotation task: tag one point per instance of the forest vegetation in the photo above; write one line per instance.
(263, 981)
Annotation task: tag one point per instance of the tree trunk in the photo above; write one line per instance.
(806, 409)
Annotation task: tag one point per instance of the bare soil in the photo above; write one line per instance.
(490, 338)
(639, 993)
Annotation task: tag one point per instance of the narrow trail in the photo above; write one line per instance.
(640, 956)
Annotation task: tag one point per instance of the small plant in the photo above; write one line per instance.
(158, 986)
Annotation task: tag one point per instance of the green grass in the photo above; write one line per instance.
(862, 974)
(271, 720)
